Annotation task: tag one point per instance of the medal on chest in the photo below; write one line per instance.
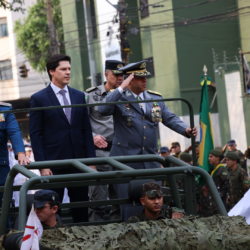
(2, 118)
(156, 113)
(128, 108)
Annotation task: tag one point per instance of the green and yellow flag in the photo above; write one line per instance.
(206, 129)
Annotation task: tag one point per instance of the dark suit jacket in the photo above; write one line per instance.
(52, 137)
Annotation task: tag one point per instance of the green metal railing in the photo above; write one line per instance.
(191, 112)
(90, 177)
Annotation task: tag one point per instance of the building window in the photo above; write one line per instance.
(3, 27)
(5, 70)
(93, 18)
(150, 66)
(144, 8)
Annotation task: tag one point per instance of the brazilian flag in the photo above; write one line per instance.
(206, 129)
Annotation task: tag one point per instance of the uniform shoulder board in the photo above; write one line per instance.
(5, 104)
(90, 89)
(154, 92)
(112, 90)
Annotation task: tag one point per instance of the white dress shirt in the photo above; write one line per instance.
(141, 95)
(59, 96)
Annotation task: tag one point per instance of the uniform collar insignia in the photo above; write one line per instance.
(128, 93)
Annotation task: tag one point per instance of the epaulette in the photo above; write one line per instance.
(154, 92)
(90, 89)
(112, 90)
(5, 104)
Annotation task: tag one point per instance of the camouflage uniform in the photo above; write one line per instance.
(239, 184)
(165, 213)
(221, 180)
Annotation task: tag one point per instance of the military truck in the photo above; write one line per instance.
(89, 177)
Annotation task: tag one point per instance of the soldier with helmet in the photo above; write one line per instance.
(239, 180)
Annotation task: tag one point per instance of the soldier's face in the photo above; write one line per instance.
(197, 149)
(176, 150)
(61, 75)
(114, 80)
(45, 213)
(153, 205)
(230, 163)
(213, 159)
(164, 154)
(138, 84)
(232, 147)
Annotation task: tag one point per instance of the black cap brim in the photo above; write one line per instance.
(39, 204)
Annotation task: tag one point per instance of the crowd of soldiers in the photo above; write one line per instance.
(229, 173)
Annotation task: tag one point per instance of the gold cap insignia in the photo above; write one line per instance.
(143, 65)
(119, 66)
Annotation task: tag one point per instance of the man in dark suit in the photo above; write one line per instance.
(59, 134)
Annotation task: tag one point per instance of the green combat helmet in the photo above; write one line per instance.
(151, 189)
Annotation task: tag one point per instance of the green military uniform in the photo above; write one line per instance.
(239, 184)
(221, 180)
(165, 213)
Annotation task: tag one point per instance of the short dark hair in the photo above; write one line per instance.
(54, 60)
(54, 203)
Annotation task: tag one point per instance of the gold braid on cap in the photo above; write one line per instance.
(137, 71)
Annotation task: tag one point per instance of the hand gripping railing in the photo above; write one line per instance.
(124, 172)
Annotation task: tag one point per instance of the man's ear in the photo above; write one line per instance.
(106, 74)
(142, 201)
(54, 209)
(51, 71)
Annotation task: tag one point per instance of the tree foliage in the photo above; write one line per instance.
(33, 35)
(15, 5)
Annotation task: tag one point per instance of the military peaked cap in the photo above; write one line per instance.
(138, 68)
(114, 65)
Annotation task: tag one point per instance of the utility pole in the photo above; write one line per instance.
(54, 48)
(125, 48)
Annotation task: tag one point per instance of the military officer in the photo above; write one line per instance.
(103, 131)
(231, 146)
(239, 180)
(221, 180)
(135, 124)
(176, 148)
(9, 129)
